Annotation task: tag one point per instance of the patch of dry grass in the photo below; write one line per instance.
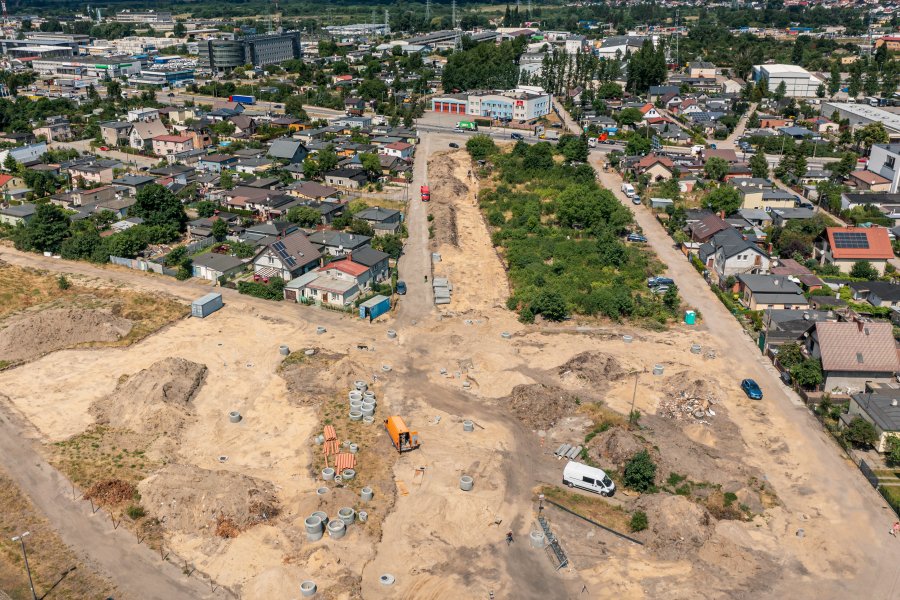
(594, 508)
(100, 453)
(48, 557)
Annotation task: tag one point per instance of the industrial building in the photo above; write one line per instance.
(164, 77)
(221, 56)
(82, 67)
(798, 82)
(860, 115)
(162, 21)
(359, 29)
(521, 104)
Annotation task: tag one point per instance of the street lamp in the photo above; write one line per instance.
(21, 538)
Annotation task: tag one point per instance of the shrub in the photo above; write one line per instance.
(135, 512)
(274, 290)
(640, 472)
(63, 283)
(638, 521)
(861, 433)
(730, 498)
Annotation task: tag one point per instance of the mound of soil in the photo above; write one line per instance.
(33, 335)
(193, 500)
(677, 527)
(313, 379)
(592, 368)
(690, 384)
(614, 447)
(110, 491)
(155, 400)
(539, 406)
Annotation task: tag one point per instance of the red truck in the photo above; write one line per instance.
(426, 193)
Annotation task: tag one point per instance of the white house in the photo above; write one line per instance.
(885, 161)
(397, 150)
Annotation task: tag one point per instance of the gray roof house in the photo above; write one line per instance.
(287, 257)
(382, 220)
(211, 266)
(377, 261)
(337, 243)
(288, 149)
(774, 292)
(879, 404)
(17, 213)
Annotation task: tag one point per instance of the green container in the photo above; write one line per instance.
(690, 317)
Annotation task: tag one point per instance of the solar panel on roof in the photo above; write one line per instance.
(850, 239)
(283, 253)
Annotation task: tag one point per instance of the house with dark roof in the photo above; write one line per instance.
(212, 266)
(791, 326)
(707, 226)
(846, 246)
(130, 185)
(312, 190)
(287, 257)
(879, 404)
(216, 163)
(854, 353)
(338, 243)
(346, 178)
(17, 214)
(728, 253)
(288, 149)
(382, 220)
(772, 292)
(377, 261)
(876, 293)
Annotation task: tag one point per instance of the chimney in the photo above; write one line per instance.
(859, 325)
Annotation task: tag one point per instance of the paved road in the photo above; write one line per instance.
(136, 571)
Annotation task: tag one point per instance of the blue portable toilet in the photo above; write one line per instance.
(690, 317)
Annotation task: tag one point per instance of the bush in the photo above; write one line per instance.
(730, 498)
(480, 147)
(135, 512)
(861, 433)
(638, 521)
(274, 290)
(640, 472)
(63, 283)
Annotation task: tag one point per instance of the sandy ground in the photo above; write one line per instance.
(440, 542)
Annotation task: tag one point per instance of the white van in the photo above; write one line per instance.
(588, 478)
(628, 189)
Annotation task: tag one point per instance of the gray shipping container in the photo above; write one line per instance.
(205, 306)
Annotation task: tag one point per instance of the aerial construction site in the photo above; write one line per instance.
(279, 451)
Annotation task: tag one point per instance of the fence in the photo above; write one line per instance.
(139, 264)
(199, 245)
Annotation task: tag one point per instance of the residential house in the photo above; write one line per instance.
(333, 291)
(706, 226)
(253, 166)
(382, 220)
(212, 266)
(824, 125)
(797, 133)
(216, 163)
(143, 132)
(244, 126)
(338, 243)
(118, 206)
(287, 257)
(884, 159)
(137, 115)
(701, 69)
(84, 197)
(10, 182)
(788, 267)
(258, 232)
(869, 181)
(200, 136)
(115, 133)
(773, 292)
(345, 267)
(346, 178)
(312, 190)
(854, 353)
(876, 293)
(56, 129)
(879, 404)
(93, 171)
(178, 115)
(658, 168)
(726, 154)
(845, 246)
(378, 262)
(791, 326)
(17, 214)
(728, 253)
(202, 228)
(765, 198)
(781, 216)
(170, 145)
(398, 150)
(25, 155)
(288, 149)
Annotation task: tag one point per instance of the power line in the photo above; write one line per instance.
(427, 10)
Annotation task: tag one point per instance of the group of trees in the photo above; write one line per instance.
(50, 230)
(805, 371)
(484, 66)
(647, 67)
(561, 71)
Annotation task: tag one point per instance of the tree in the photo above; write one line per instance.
(179, 30)
(226, 179)
(206, 209)
(113, 90)
(304, 216)
(311, 169)
(327, 158)
(724, 198)
(808, 373)
(640, 472)
(780, 91)
(157, 205)
(893, 444)
(360, 227)
(873, 133)
(293, 106)
(834, 79)
(484, 66)
(716, 168)
(671, 299)
(844, 166)
(609, 90)
(630, 116)
(573, 148)
(220, 230)
(480, 147)
(551, 305)
(790, 355)
(820, 91)
(864, 270)
(637, 145)
(759, 166)
(45, 232)
(10, 164)
(861, 433)
(371, 164)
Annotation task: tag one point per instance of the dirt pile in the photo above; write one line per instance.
(677, 527)
(594, 369)
(446, 190)
(194, 500)
(313, 379)
(539, 406)
(155, 400)
(110, 492)
(614, 447)
(33, 335)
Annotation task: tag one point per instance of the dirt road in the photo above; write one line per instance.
(813, 477)
(134, 568)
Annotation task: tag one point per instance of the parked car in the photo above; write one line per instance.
(636, 237)
(636, 200)
(401, 287)
(454, 145)
(655, 281)
(660, 289)
(517, 136)
(751, 388)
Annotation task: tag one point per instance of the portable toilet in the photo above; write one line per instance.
(690, 317)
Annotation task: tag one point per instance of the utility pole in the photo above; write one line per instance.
(387, 21)
(677, 37)
(21, 539)
(428, 10)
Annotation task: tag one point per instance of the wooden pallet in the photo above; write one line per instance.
(401, 487)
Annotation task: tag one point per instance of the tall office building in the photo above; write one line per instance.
(221, 56)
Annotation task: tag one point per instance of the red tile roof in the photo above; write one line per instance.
(870, 177)
(178, 139)
(4, 179)
(346, 266)
(857, 346)
(652, 159)
(879, 244)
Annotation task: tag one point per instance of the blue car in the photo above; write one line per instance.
(401, 287)
(752, 390)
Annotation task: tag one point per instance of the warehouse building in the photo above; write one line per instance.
(798, 82)
(860, 115)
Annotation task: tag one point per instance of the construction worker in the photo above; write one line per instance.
(509, 538)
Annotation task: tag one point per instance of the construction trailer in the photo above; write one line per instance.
(403, 439)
